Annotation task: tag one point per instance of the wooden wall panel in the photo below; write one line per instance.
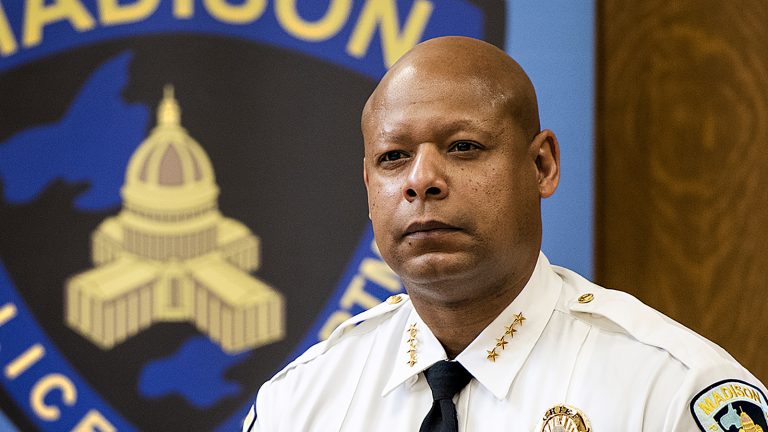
(682, 164)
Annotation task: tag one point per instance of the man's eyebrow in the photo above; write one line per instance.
(449, 128)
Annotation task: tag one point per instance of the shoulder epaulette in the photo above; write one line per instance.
(619, 311)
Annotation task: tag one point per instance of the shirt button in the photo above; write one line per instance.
(586, 298)
(395, 299)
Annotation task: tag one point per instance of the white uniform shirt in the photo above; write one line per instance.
(620, 364)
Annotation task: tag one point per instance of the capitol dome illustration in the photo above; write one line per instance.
(170, 255)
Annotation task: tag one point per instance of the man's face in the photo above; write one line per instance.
(452, 181)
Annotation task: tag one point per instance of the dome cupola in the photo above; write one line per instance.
(169, 171)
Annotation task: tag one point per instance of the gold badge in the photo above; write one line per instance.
(563, 418)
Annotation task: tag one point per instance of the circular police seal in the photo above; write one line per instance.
(180, 199)
(564, 418)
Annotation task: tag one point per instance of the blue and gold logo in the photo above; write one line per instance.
(165, 249)
(731, 406)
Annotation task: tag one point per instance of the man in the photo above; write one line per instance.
(455, 168)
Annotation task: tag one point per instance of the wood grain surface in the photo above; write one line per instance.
(682, 164)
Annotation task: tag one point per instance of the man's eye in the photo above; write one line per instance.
(462, 146)
(391, 156)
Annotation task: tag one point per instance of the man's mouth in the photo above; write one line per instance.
(428, 229)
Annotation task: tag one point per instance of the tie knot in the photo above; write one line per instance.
(446, 378)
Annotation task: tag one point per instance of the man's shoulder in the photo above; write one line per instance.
(354, 334)
(323, 379)
(619, 312)
(696, 382)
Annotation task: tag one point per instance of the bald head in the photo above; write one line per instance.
(443, 65)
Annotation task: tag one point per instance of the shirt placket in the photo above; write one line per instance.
(462, 404)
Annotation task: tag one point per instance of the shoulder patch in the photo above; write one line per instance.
(730, 406)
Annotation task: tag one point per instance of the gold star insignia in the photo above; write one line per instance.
(492, 354)
(412, 329)
(519, 318)
(500, 342)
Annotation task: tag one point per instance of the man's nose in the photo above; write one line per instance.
(426, 178)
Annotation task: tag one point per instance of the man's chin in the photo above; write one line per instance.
(436, 267)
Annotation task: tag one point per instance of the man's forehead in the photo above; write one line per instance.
(402, 76)
(402, 131)
(423, 76)
(455, 69)
(415, 90)
(430, 73)
(457, 57)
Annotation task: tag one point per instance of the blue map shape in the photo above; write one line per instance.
(195, 372)
(91, 143)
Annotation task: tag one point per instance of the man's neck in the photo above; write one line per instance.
(457, 323)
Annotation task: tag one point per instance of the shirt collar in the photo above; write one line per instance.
(536, 302)
(428, 352)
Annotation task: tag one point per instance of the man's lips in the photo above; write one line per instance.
(428, 228)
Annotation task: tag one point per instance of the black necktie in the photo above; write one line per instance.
(445, 378)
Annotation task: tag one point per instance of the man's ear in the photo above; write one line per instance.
(365, 180)
(547, 153)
